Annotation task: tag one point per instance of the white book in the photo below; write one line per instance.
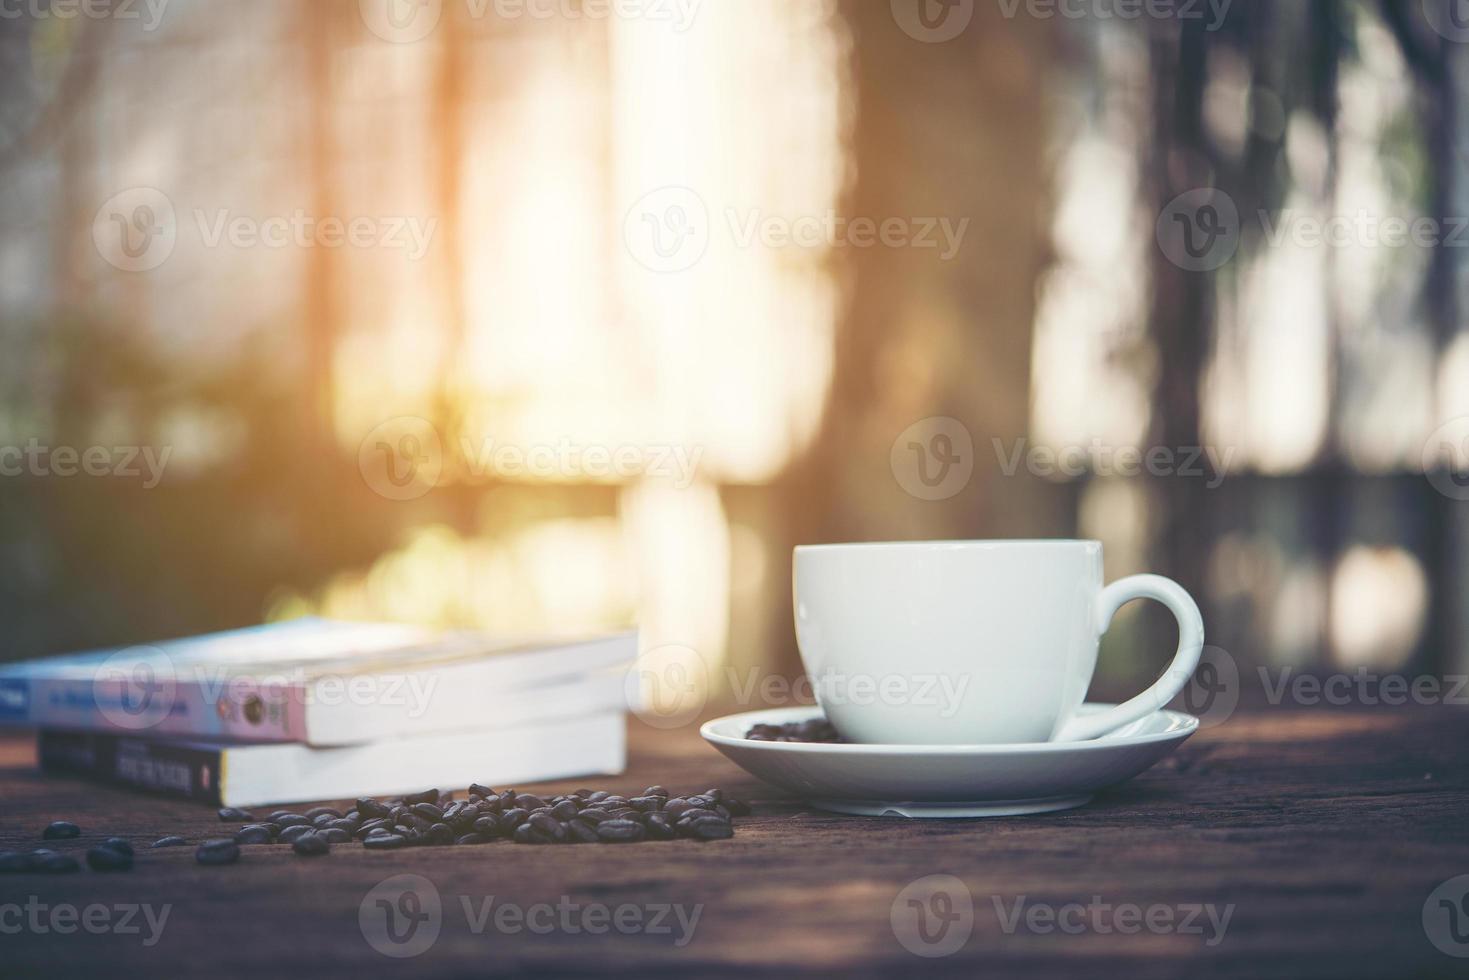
(315, 681)
(255, 775)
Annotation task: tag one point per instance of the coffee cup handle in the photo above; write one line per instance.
(1190, 646)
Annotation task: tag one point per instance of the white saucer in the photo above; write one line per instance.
(947, 780)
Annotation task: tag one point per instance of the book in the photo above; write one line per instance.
(315, 681)
(229, 774)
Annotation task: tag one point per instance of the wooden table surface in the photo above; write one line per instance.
(1321, 832)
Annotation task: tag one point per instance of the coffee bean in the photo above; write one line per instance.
(292, 834)
(483, 792)
(277, 815)
(119, 844)
(439, 834)
(488, 825)
(217, 852)
(384, 842)
(646, 803)
(598, 796)
(370, 808)
(659, 827)
(564, 810)
(61, 830)
(169, 842)
(656, 791)
(613, 800)
(285, 820)
(714, 795)
(473, 839)
(334, 835)
(460, 813)
(700, 800)
(513, 817)
(428, 812)
(51, 863)
(707, 828)
(376, 823)
(620, 831)
(582, 831)
(255, 834)
(232, 815)
(529, 801)
(415, 822)
(548, 826)
(14, 861)
(526, 834)
(427, 796)
(323, 811)
(109, 859)
(737, 808)
(696, 812)
(310, 845)
(676, 807)
(594, 814)
(345, 825)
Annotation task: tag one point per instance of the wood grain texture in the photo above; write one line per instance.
(1326, 830)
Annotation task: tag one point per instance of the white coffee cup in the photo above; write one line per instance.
(971, 642)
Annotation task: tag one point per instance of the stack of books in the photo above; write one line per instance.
(321, 710)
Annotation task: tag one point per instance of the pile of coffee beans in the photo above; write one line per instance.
(815, 730)
(432, 818)
(429, 818)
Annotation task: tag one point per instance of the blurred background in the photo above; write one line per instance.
(564, 315)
